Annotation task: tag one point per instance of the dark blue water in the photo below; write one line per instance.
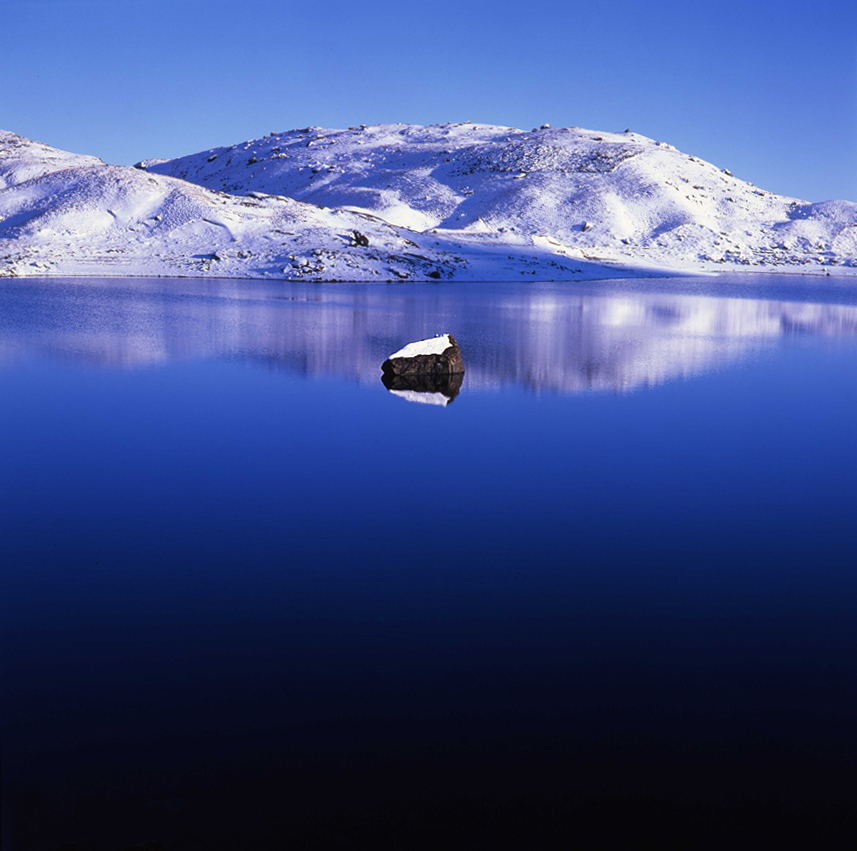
(251, 599)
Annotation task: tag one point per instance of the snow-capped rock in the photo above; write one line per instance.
(437, 356)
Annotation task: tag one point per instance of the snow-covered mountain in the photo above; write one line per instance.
(395, 202)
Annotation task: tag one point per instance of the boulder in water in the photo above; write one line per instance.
(438, 357)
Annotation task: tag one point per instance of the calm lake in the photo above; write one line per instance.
(250, 598)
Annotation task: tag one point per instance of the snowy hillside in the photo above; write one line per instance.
(73, 217)
(400, 202)
(22, 160)
(570, 193)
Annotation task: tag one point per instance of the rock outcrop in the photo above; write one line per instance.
(438, 358)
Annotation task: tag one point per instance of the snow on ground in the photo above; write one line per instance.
(397, 202)
(565, 194)
(22, 159)
(114, 220)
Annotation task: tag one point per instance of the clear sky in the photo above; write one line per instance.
(766, 89)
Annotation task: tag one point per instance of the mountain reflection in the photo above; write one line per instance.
(543, 339)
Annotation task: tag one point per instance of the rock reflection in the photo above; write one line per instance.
(542, 338)
(428, 389)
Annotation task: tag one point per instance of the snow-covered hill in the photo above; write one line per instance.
(22, 160)
(572, 193)
(397, 202)
(74, 217)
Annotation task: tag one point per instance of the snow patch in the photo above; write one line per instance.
(433, 346)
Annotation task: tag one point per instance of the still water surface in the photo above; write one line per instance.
(250, 598)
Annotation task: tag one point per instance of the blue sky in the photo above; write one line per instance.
(766, 89)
